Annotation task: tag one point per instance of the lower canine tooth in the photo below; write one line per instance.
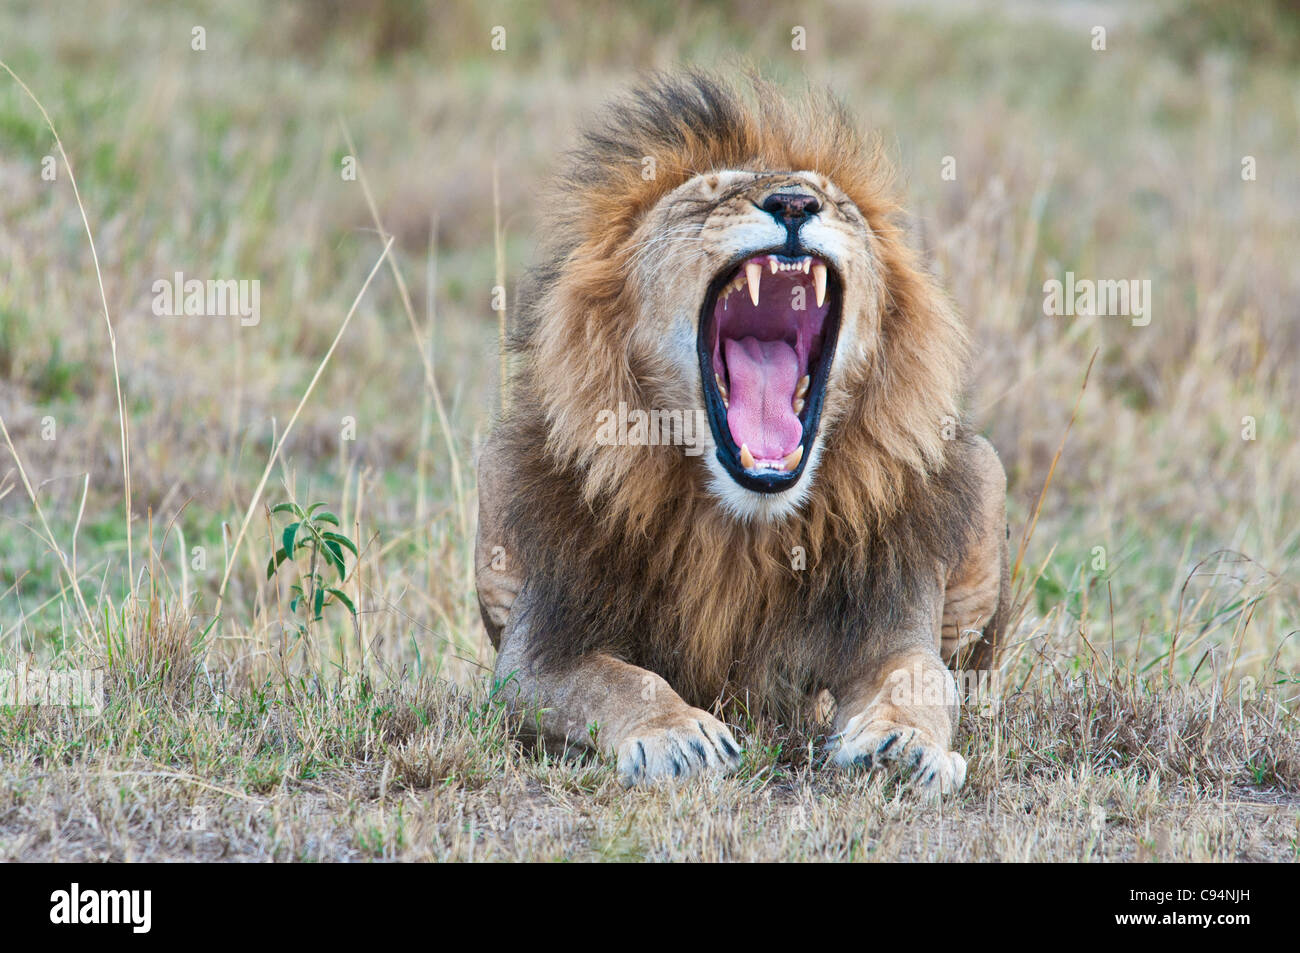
(747, 458)
(819, 280)
(792, 461)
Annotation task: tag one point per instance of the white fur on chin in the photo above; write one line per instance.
(750, 506)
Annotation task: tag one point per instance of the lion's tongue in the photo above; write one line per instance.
(761, 381)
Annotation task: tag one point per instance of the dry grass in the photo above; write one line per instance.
(313, 770)
(1159, 575)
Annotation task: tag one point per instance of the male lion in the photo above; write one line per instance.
(737, 259)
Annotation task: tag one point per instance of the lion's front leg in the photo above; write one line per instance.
(595, 702)
(901, 717)
(626, 712)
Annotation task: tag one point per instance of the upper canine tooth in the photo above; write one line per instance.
(746, 458)
(753, 273)
(819, 279)
(792, 461)
(802, 387)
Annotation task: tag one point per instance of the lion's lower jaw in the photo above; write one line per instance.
(750, 506)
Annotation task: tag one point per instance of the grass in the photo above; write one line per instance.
(1149, 694)
(309, 769)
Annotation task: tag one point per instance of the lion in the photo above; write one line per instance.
(833, 531)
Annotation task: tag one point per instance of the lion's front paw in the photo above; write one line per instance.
(677, 746)
(874, 743)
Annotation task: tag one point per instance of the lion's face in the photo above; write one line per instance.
(760, 281)
(757, 289)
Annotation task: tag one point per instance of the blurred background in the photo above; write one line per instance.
(1169, 530)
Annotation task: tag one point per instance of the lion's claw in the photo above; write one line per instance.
(677, 747)
(870, 744)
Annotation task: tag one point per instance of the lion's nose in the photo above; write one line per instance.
(791, 209)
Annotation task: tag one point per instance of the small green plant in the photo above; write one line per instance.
(309, 541)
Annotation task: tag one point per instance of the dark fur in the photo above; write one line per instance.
(596, 591)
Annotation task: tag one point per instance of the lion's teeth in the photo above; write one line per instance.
(773, 264)
(806, 263)
(746, 458)
(802, 387)
(819, 279)
(753, 274)
(797, 406)
(722, 388)
(792, 461)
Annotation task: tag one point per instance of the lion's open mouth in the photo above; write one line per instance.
(766, 339)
